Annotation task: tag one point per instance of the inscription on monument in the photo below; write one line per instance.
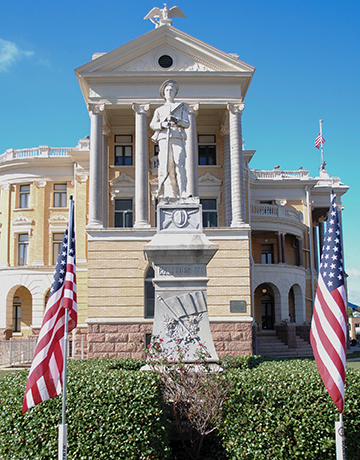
(182, 270)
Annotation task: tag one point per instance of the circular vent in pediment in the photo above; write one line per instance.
(165, 61)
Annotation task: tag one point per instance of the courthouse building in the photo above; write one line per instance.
(267, 224)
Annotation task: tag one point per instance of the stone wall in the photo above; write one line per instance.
(128, 340)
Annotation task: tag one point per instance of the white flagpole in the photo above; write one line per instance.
(62, 440)
(323, 164)
(62, 444)
(340, 439)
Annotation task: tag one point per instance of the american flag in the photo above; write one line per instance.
(319, 141)
(328, 327)
(46, 372)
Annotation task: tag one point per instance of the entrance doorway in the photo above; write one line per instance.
(267, 311)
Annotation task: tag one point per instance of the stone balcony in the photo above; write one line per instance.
(276, 211)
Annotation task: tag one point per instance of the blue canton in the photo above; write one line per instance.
(60, 269)
(331, 268)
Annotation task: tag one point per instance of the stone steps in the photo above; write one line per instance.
(270, 345)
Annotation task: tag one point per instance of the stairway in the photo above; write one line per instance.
(269, 344)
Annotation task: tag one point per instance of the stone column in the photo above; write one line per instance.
(283, 249)
(227, 174)
(237, 165)
(105, 175)
(141, 166)
(192, 187)
(321, 236)
(279, 247)
(95, 182)
(300, 252)
(316, 248)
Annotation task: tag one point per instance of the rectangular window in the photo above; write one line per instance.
(267, 253)
(23, 245)
(207, 149)
(209, 212)
(24, 196)
(123, 213)
(17, 314)
(56, 246)
(123, 150)
(60, 199)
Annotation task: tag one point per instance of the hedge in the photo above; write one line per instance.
(275, 410)
(112, 413)
(281, 410)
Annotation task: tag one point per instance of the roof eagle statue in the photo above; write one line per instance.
(160, 17)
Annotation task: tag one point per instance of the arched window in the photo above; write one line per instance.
(17, 314)
(149, 294)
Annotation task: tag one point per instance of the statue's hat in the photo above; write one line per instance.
(164, 85)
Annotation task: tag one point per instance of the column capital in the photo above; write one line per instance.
(224, 130)
(193, 108)
(96, 108)
(141, 108)
(106, 131)
(236, 108)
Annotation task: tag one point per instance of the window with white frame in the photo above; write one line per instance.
(56, 246)
(267, 253)
(123, 147)
(60, 195)
(207, 149)
(123, 213)
(209, 212)
(23, 246)
(24, 196)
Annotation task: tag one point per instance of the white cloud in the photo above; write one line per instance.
(10, 53)
(353, 273)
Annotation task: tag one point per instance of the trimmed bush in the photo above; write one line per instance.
(111, 414)
(282, 410)
(275, 410)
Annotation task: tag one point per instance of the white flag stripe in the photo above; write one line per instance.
(42, 388)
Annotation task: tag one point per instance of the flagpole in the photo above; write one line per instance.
(62, 440)
(323, 164)
(340, 438)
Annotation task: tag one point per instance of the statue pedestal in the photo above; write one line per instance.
(179, 253)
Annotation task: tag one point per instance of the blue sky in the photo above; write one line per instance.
(307, 59)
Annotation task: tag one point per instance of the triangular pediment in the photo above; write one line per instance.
(142, 54)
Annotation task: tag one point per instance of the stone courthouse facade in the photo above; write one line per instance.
(267, 224)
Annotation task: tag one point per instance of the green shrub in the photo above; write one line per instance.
(111, 414)
(243, 362)
(281, 410)
(130, 364)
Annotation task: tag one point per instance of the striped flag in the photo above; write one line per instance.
(328, 327)
(319, 141)
(46, 372)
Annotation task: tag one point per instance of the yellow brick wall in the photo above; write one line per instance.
(229, 273)
(116, 279)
